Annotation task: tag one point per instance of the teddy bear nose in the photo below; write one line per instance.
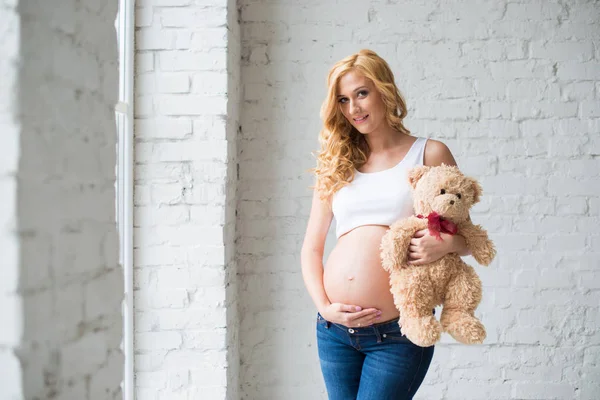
(451, 201)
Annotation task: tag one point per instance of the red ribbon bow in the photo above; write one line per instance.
(437, 224)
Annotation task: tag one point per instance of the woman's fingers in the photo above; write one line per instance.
(420, 233)
(356, 311)
(349, 308)
(356, 316)
(368, 313)
(365, 313)
(416, 261)
(372, 319)
(414, 254)
(365, 318)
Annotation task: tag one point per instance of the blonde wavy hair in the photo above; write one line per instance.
(343, 148)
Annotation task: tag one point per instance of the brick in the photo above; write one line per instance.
(146, 83)
(88, 345)
(562, 51)
(158, 340)
(495, 110)
(565, 242)
(208, 376)
(94, 295)
(456, 109)
(144, 16)
(594, 206)
(176, 319)
(466, 389)
(175, 298)
(571, 206)
(549, 390)
(154, 39)
(578, 91)
(144, 62)
(569, 70)
(151, 380)
(536, 89)
(574, 187)
(524, 11)
(165, 127)
(191, 105)
(101, 383)
(209, 83)
(170, 3)
(173, 83)
(590, 109)
(191, 61)
(144, 106)
(520, 69)
(210, 127)
(170, 215)
(189, 17)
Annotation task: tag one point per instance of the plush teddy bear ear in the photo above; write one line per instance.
(476, 189)
(416, 173)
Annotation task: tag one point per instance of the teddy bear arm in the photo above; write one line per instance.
(395, 243)
(482, 248)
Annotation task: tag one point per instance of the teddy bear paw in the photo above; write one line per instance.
(423, 332)
(467, 330)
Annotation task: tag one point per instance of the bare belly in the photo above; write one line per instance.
(354, 275)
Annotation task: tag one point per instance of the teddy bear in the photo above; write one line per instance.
(442, 198)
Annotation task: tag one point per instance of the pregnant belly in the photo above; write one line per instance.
(354, 275)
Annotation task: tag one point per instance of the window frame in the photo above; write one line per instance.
(125, 27)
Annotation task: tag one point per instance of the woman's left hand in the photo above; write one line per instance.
(425, 249)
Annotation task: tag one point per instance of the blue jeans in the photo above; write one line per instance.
(371, 363)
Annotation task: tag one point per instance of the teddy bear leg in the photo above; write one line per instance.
(417, 322)
(463, 295)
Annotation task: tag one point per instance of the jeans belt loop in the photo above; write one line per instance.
(378, 334)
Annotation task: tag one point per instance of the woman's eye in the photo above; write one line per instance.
(363, 93)
(458, 195)
(342, 100)
(443, 191)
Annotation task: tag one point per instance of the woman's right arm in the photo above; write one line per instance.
(311, 257)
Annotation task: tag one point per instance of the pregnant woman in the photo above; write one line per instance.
(361, 180)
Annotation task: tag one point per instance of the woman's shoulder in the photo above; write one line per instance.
(436, 153)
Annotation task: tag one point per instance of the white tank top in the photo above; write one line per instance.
(377, 198)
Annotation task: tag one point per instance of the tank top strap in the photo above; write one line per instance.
(417, 153)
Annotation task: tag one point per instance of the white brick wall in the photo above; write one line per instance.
(11, 330)
(61, 285)
(187, 100)
(234, 94)
(513, 89)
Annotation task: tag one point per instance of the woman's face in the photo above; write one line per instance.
(360, 102)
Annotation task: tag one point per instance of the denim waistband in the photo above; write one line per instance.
(380, 327)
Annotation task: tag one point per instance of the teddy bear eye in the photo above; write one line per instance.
(443, 191)
(458, 195)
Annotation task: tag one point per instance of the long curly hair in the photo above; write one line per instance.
(343, 148)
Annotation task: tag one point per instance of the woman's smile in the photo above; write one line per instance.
(360, 120)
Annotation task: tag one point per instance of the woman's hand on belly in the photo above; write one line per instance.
(350, 315)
